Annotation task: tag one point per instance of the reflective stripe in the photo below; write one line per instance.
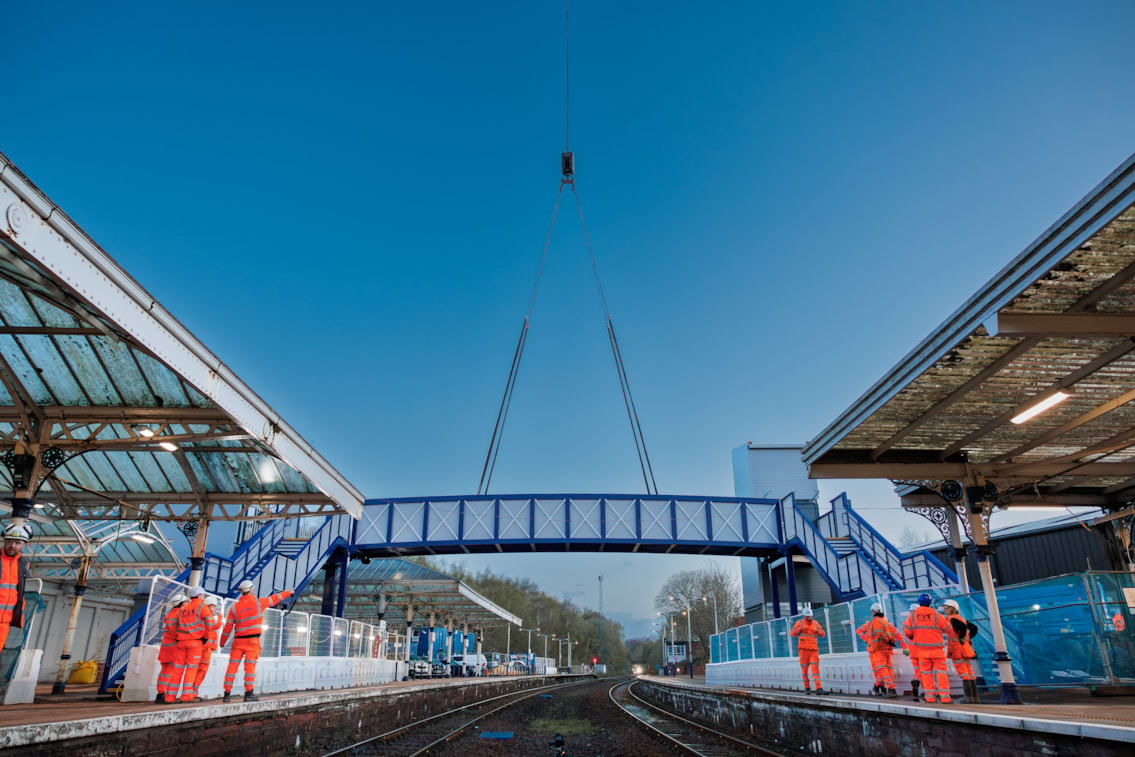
(247, 616)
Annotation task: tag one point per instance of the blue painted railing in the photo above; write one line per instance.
(921, 570)
(850, 575)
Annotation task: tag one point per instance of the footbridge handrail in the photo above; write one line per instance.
(919, 570)
(849, 574)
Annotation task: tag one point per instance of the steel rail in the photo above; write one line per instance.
(513, 698)
(686, 729)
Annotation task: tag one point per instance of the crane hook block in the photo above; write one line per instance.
(567, 162)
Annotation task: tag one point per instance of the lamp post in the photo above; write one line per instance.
(546, 637)
(531, 667)
(714, 596)
(689, 632)
(668, 629)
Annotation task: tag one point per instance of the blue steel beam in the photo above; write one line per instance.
(569, 522)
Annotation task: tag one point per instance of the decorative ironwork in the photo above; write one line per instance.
(53, 457)
(75, 563)
(189, 529)
(937, 516)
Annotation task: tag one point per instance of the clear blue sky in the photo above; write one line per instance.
(347, 202)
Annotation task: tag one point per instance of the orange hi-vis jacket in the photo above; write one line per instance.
(246, 616)
(193, 619)
(926, 628)
(957, 641)
(169, 635)
(12, 573)
(212, 626)
(809, 631)
(877, 631)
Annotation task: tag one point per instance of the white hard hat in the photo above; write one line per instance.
(877, 608)
(179, 598)
(17, 532)
(953, 604)
(245, 586)
(807, 612)
(195, 591)
(211, 600)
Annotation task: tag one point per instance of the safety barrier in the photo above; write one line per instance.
(298, 651)
(1072, 630)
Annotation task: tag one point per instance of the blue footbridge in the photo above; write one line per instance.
(847, 552)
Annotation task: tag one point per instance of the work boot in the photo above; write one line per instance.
(228, 697)
(251, 697)
(160, 699)
(892, 694)
(820, 692)
(972, 694)
(914, 689)
(808, 690)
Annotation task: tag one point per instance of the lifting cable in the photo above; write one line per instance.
(567, 165)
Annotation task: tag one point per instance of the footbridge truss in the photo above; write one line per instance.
(569, 522)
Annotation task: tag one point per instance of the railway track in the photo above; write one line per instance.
(431, 733)
(685, 735)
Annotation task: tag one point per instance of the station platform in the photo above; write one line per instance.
(80, 720)
(1052, 710)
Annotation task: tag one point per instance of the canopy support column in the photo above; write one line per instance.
(1009, 692)
(60, 684)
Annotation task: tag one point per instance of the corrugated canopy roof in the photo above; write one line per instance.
(1060, 316)
(403, 582)
(95, 375)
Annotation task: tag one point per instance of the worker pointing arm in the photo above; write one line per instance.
(245, 624)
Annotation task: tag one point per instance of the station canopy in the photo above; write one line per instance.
(1057, 324)
(403, 583)
(110, 409)
(120, 555)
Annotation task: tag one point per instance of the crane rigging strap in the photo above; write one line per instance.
(568, 168)
(506, 400)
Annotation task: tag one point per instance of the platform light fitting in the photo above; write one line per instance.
(168, 446)
(142, 538)
(143, 431)
(1048, 402)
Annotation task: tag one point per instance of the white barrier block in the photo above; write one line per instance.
(21, 688)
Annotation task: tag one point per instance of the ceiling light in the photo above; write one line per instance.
(1046, 403)
(143, 431)
(142, 538)
(168, 446)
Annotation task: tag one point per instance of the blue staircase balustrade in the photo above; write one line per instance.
(920, 570)
(850, 575)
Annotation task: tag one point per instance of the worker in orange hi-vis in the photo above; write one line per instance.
(190, 640)
(209, 645)
(809, 632)
(959, 648)
(926, 628)
(169, 644)
(245, 623)
(13, 571)
(881, 638)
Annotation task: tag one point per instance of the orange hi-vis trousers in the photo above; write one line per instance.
(248, 649)
(810, 658)
(202, 668)
(934, 681)
(964, 668)
(165, 659)
(186, 657)
(882, 668)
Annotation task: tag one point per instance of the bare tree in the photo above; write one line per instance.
(712, 598)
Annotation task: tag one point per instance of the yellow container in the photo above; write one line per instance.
(84, 672)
